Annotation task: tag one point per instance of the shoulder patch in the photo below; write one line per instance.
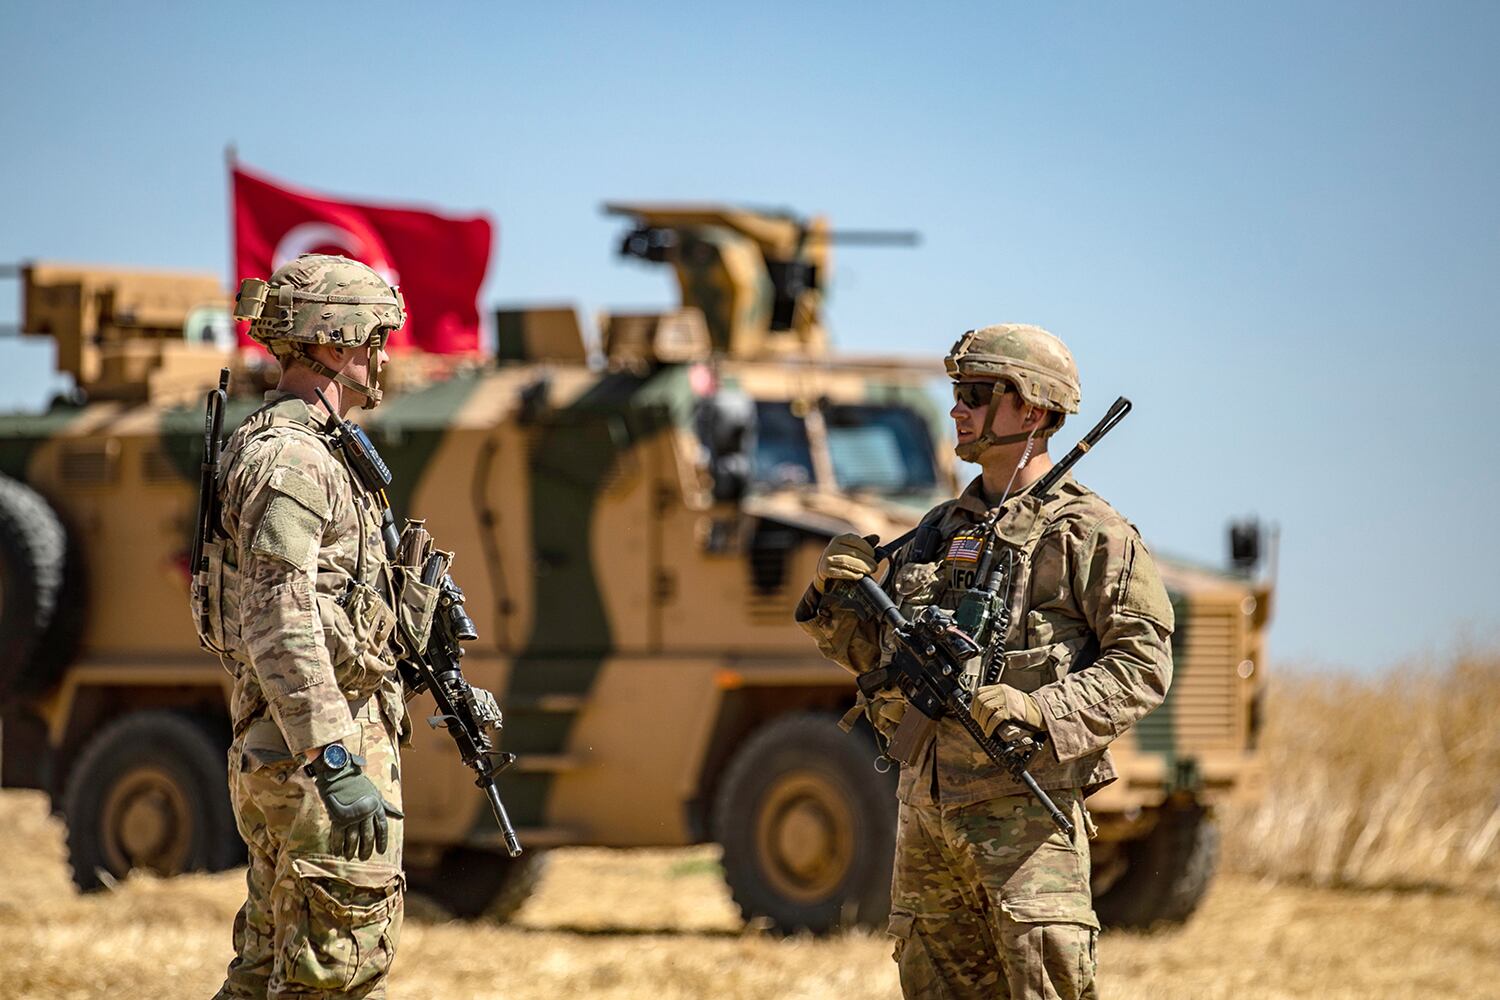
(291, 527)
(296, 484)
(289, 532)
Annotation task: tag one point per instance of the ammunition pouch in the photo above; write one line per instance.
(417, 602)
(910, 740)
(1029, 669)
(357, 632)
(214, 596)
(416, 609)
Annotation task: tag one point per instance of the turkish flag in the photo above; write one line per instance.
(438, 261)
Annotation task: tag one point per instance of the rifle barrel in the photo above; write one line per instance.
(512, 842)
(869, 237)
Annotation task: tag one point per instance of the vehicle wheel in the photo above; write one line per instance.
(471, 883)
(1167, 873)
(148, 792)
(808, 827)
(32, 547)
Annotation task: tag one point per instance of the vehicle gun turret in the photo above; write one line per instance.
(757, 276)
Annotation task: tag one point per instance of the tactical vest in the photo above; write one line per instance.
(357, 623)
(1035, 648)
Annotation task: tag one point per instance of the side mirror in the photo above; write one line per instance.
(726, 426)
(1245, 545)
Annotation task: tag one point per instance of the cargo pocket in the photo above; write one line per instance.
(900, 927)
(263, 745)
(919, 976)
(349, 922)
(1051, 935)
(338, 633)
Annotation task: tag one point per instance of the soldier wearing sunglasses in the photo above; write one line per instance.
(989, 897)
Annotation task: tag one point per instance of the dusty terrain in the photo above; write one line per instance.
(1370, 868)
(659, 924)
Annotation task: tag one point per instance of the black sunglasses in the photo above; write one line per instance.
(977, 394)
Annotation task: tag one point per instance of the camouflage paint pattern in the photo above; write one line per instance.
(990, 899)
(578, 448)
(313, 924)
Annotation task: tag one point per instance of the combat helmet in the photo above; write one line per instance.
(1036, 362)
(323, 299)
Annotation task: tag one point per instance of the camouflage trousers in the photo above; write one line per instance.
(314, 924)
(990, 899)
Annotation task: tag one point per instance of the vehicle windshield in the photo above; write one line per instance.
(876, 448)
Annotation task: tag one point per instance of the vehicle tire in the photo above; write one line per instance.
(149, 792)
(471, 883)
(808, 827)
(32, 550)
(1167, 874)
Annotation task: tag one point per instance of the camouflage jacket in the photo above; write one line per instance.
(314, 591)
(1088, 635)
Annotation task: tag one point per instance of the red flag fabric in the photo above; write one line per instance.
(438, 261)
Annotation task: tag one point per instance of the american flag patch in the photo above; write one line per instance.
(965, 548)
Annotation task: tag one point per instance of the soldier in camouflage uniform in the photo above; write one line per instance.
(304, 618)
(989, 898)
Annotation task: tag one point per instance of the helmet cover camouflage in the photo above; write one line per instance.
(322, 299)
(319, 299)
(1033, 360)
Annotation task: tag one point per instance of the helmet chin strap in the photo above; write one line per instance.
(371, 392)
(970, 451)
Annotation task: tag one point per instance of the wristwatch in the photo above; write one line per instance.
(335, 757)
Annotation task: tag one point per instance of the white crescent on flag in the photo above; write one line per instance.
(312, 237)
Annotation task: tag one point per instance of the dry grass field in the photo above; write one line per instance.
(1369, 871)
(1380, 782)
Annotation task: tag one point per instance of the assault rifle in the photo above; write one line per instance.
(470, 713)
(208, 472)
(928, 669)
(432, 662)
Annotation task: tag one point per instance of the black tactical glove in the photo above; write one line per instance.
(355, 807)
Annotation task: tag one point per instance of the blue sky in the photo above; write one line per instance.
(1275, 227)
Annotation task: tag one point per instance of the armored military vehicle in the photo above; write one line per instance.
(635, 521)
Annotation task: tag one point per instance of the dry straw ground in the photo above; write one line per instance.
(1381, 782)
(1388, 786)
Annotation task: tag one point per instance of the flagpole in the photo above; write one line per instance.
(231, 161)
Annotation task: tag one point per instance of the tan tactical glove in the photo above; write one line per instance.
(848, 557)
(995, 704)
